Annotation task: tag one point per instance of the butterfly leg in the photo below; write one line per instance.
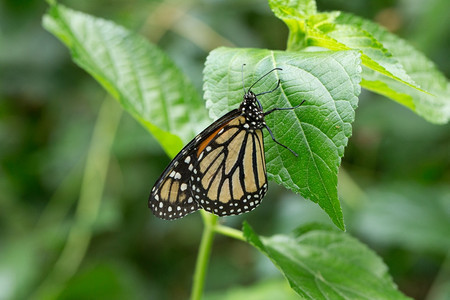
(273, 138)
(282, 108)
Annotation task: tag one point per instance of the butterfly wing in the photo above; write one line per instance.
(172, 195)
(230, 176)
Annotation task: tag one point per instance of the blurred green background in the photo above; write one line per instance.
(394, 184)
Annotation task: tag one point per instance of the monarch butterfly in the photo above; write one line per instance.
(222, 170)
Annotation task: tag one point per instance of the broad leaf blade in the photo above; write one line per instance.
(141, 77)
(320, 29)
(318, 130)
(375, 55)
(321, 263)
(392, 67)
(434, 107)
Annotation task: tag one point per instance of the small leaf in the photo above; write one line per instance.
(322, 263)
(299, 8)
(318, 130)
(140, 76)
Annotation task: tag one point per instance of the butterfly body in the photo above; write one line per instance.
(222, 170)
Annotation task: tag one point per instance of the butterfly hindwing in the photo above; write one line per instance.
(230, 176)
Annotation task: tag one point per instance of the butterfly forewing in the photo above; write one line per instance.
(172, 196)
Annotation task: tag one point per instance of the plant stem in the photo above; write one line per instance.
(88, 204)
(230, 232)
(209, 221)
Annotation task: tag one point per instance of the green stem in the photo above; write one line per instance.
(209, 221)
(88, 204)
(230, 232)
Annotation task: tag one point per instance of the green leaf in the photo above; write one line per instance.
(318, 130)
(434, 108)
(322, 30)
(321, 263)
(392, 67)
(140, 76)
(298, 8)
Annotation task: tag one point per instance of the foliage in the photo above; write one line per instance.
(391, 66)
(320, 263)
(329, 57)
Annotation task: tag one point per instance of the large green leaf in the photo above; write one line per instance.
(309, 28)
(140, 76)
(321, 263)
(392, 67)
(435, 106)
(318, 130)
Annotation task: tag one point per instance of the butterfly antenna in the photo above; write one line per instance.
(263, 77)
(278, 85)
(242, 73)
